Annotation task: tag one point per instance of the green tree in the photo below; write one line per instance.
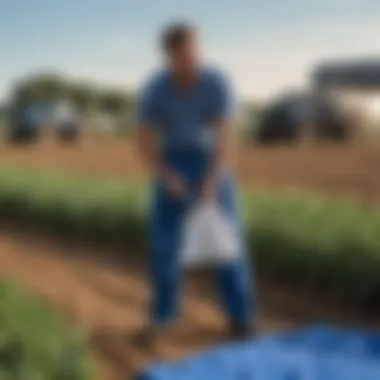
(84, 96)
(41, 87)
(116, 103)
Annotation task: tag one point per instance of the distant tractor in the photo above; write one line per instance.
(332, 110)
(294, 116)
(27, 122)
(31, 122)
(281, 122)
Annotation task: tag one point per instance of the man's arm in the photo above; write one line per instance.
(148, 150)
(147, 147)
(223, 110)
(147, 122)
(223, 157)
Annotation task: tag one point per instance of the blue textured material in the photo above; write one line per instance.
(317, 353)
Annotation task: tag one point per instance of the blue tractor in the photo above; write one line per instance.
(27, 122)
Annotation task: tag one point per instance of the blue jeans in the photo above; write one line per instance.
(233, 280)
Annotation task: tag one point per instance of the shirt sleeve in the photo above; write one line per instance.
(223, 98)
(147, 107)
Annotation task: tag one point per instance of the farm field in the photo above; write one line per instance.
(350, 170)
(96, 288)
(92, 287)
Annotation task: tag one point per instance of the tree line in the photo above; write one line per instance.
(85, 96)
(88, 98)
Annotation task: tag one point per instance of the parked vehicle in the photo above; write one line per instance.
(27, 122)
(66, 121)
(294, 115)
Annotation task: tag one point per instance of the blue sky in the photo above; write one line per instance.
(267, 45)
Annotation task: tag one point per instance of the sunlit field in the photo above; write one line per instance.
(339, 170)
(73, 230)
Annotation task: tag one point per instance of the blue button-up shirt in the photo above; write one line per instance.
(185, 119)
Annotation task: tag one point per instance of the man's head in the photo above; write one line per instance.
(180, 46)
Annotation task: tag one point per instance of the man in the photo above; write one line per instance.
(184, 135)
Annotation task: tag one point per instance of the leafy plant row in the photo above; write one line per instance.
(35, 343)
(328, 245)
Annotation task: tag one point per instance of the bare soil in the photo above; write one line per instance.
(107, 292)
(341, 170)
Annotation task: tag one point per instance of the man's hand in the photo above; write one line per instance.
(209, 190)
(175, 184)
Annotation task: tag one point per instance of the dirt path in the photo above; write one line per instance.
(95, 288)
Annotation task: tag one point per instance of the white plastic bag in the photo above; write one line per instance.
(209, 237)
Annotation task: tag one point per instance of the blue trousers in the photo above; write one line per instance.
(233, 280)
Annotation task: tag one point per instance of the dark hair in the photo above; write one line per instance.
(175, 35)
